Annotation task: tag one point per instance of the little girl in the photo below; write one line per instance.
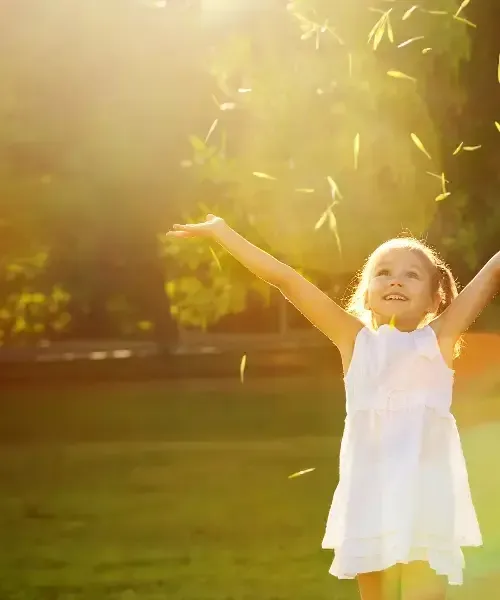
(402, 509)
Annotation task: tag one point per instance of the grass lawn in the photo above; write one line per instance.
(181, 491)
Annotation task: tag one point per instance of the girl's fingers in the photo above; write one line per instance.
(187, 226)
(178, 234)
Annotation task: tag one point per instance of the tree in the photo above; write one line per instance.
(93, 118)
(323, 137)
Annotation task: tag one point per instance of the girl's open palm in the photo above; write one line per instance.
(205, 229)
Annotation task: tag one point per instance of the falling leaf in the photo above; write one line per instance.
(425, 50)
(497, 125)
(471, 148)
(332, 221)
(305, 190)
(216, 101)
(436, 12)
(443, 183)
(244, 90)
(458, 148)
(377, 31)
(356, 150)
(215, 257)
(403, 44)
(228, 106)
(461, 7)
(263, 176)
(392, 322)
(350, 65)
(299, 473)
(243, 364)
(376, 28)
(409, 12)
(498, 74)
(437, 176)
(419, 145)
(211, 130)
(399, 75)
(378, 36)
(321, 221)
(334, 188)
(442, 196)
(466, 21)
(390, 33)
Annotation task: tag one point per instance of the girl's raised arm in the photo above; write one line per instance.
(332, 320)
(467, 306)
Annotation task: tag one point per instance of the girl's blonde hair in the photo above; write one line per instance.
(442, 281)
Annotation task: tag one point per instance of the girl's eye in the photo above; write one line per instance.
(413, 274)
(382, 272)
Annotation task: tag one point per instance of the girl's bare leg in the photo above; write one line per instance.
(420, 582)
(380, 585)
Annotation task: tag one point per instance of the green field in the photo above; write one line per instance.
(181, 491)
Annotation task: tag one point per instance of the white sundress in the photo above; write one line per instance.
(403, 492)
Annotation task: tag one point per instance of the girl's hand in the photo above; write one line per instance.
(206, 229)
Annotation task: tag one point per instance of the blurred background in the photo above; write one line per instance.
(156, 397)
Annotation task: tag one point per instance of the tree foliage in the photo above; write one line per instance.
(293, 122)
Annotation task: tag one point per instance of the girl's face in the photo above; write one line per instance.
(400, 288)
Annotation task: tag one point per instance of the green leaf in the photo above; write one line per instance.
(263, 176)
(243, 365)
(410, 41)
(332, 221)
(461, 7)
(440, 177)
(442, 196)
(419, 145)
(334, 188)
(300, 473)
(377, 32)
(409, 12)
(356, 150)
(400, 75)
(215, 257)
(321, 221)
(390, 33)
(465, 21)
(443, 183)
(211, 130)
(378, 36)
